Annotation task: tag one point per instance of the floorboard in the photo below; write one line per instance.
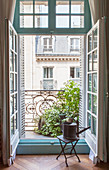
(49, 162)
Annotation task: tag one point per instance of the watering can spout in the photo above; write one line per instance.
(83, 130)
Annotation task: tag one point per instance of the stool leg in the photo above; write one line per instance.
(64, 154)
(77, 155)
(65, 159)
(62, 149)
(73, 146)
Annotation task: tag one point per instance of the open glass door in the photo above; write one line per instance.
(92, 87)
(95, 89)
(13, 89)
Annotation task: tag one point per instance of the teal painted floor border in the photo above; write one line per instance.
(33, 146)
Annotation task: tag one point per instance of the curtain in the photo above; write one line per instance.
(7, 8)
(107, 77)
(100, 9)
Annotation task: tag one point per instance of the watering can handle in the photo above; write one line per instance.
(82, 130)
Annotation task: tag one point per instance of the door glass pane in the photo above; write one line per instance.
(77, 7)
(15, 121)
(94, 104)
(11, 62)
(89, 42)
(11, 83)
(41, 21)
(62, 6)
(11, 39)
(15, 83)
(89, 62)
(94, 125)
(12, 105)
(14, 42)
(15, 63)
(89, 102)
(41, 6)
(26, 21)
(77, 21)
(12, 126)
(94, 84)
(89, 119)
(89, 82)
(15, 102)
(95, 65)
(62, 21)
(26, 6)
(95, 38)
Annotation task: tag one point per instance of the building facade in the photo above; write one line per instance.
(50, 61)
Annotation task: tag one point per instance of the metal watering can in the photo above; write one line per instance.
(70, 130)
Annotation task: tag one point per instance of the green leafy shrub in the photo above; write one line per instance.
(52, 123)
(68, 100)
(67, 103)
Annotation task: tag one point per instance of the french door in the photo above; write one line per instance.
(94, 111)
(95, 88)
(12, 76)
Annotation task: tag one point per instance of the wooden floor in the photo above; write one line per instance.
(49, 162)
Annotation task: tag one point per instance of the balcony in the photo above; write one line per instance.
(36, 102)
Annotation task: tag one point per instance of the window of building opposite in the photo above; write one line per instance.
(75, 45)
(48, 78)
(48, 44)
(74, 72)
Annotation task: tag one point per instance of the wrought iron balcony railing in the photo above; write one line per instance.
(36, 101)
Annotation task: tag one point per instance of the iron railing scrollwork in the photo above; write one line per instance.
(36, 102)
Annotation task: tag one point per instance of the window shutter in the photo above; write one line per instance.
(22, 88)
(82, 82)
